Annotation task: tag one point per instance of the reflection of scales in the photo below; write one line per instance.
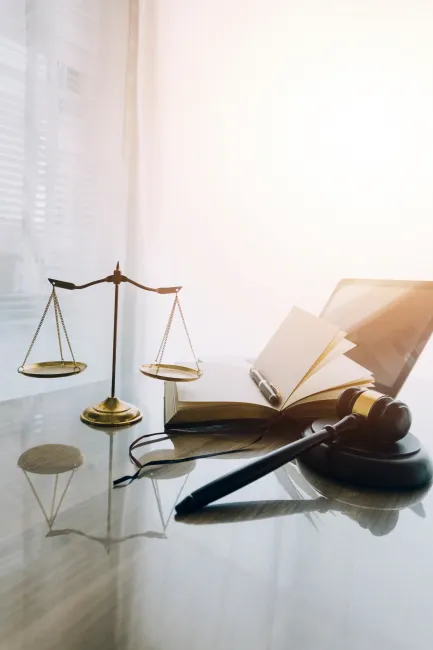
(112, 411)
(51, 460)
(56, 459)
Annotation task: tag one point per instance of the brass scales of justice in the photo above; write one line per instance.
(111, 412)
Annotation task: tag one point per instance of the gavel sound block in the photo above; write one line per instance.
(379, 453)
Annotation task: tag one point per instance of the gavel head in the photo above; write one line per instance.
(385, 417)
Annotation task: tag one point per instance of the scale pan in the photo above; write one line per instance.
(168, 372)
(52, 369)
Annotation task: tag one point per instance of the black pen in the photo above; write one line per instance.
(265, 387)
(237, 479)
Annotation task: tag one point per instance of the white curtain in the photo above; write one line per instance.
(66, 128)
(290, 145)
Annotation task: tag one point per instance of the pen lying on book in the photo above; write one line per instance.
(266, 388)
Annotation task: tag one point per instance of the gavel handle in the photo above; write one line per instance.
(237, 479)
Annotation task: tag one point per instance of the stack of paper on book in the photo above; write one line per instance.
(304, 360)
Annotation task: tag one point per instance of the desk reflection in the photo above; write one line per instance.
(310, 494)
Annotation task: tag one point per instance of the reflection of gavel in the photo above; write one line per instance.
(370, 412)
(378, 522)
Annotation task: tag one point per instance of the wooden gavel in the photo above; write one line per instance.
(379, 417)
(384, 417)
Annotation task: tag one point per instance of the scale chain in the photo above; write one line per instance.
(64, 329)
(186, 331)
(166, 333)
(56, 310)
(176, 303)
(39, 327)
(58, 314)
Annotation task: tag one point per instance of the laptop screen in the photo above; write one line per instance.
(389, 320)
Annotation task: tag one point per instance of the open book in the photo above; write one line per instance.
(304, 360)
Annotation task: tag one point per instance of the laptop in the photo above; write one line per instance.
(389, 320)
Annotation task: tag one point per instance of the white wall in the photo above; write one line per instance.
(290, 144)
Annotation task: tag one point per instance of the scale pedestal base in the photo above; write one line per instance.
(112, 412)
(359, 460)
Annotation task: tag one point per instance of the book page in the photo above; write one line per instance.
(222, 383)
(334, 349)
(337, 351)
(338, 373)
(331, 395)
(294, 349)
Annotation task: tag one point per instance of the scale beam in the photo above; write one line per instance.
(160, 290)
(61, 284)
(116, 278)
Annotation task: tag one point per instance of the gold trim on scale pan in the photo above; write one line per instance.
(52, 369)
(168, 372)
